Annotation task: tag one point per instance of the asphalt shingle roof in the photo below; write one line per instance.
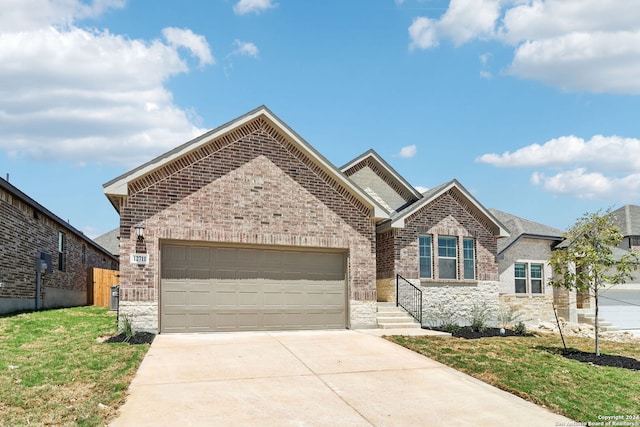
(519, 227)
(627, 218)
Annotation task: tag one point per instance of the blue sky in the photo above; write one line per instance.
(531, 104)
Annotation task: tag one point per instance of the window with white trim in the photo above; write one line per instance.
(469, 256)
(447, 257)
(528, 278)
(425, 257)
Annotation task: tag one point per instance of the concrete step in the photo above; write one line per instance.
(408, 325)
(391, 316)
(603, 325)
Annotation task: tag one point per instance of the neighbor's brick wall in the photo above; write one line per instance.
(250, 187)
(447, 216)
(25, 234)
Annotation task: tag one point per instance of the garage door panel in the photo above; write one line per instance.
(227, 289)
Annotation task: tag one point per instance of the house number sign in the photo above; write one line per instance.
(140, 259)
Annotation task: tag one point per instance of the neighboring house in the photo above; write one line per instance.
(525, 272)
(247, 227)
(442, 241)
(110, 241)
(620, 304)
(44, 261)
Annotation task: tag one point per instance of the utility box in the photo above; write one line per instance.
(115, 298)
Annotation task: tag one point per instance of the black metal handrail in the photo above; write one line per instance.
(409, 297)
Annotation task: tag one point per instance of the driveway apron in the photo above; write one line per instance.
(310, 378)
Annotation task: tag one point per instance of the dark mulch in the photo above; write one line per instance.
(609, 360)
(468, 333)
(137, 338)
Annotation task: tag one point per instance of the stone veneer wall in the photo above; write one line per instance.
(439, 299)
(251, 187)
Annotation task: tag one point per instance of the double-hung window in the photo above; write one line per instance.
(468, 246)
(425, 257)
(448, 257)
(528, 278)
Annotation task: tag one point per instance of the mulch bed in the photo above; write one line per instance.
(609, 360)
(468, 333)
(137, 338)
(581, 356)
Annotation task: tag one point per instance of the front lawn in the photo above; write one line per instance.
(535, 369)
(55, 372)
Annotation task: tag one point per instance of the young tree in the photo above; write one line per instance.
(586, 260)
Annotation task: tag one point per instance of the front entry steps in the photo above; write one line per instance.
(392, 317)
(603, 325)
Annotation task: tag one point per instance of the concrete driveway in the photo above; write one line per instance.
(310, 378)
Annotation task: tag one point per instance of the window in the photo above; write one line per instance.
(521, 278)
(536, 278)
(469, 258)
(528, 278)
(448, 257)
(61, 252)
(425, 257)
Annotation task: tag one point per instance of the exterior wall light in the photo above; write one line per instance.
(140, 231)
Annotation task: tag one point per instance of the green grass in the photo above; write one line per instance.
(534, 369)
(55, 372)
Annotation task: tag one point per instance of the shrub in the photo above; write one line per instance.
(127, 328)
(520, 328)
(509, 316)
(443, 317)
(479, 317)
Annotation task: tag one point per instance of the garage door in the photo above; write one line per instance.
(208, 289)
(621, 307)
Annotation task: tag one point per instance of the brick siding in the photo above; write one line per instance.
(447, 215)
(252, 186)
(26, 232)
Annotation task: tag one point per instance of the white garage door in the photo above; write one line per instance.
(621, 307)
(207, 289)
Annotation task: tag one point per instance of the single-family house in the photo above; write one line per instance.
(44, 261)
(248, 227)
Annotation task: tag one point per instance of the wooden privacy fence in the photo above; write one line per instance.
(99, 284)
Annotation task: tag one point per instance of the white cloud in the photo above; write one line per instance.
(195, 43)
(421, 188)
(245, 49)
(25, 15)
(253, 6)
(81, 95)
(423, 34)
(591, 185)
(408, 151)
(604, 167)
(606, 153)
(574, 45)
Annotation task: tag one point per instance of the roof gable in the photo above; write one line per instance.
(460, 193)
(378, 179)
(203, 145)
